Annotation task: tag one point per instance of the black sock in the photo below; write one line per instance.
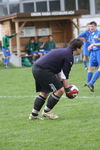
(52, 101)
(39, 101)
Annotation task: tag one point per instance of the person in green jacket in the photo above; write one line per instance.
(31, 50)
(50, 44)
(40, 46)
(5, 47)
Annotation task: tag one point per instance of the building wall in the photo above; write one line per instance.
(61, 30)
(92, 6)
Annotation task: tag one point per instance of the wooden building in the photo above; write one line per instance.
(59, 24)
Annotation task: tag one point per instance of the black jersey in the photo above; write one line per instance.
(57, 60)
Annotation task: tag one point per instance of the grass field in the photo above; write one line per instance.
(78, 127)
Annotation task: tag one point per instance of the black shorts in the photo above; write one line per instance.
(45, 80)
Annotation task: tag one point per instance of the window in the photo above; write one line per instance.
(97, 6)
(14, 8)
(41, 6)
(28, 7)
(84, 5)
(70, 5)
(3, 10)
(54, 5)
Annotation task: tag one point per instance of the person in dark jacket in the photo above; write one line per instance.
(45, 70)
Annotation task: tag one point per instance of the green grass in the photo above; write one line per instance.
(78, 127)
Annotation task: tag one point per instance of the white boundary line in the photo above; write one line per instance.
(32, 96)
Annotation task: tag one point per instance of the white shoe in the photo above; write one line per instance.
(31, 117)
(50, 115)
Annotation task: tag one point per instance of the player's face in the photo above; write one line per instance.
(7, 32)
(88, 27)
(92, 28)
(78, 51)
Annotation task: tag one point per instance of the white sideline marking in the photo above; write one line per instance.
(32, 96)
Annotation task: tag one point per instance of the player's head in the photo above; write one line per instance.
(76, 45)
(32, 40)
(7, 32)
(93, 26)
(50, 37)
(88, 26)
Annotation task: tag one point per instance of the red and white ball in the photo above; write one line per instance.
(73, 92)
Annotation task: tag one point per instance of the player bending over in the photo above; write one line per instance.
(44, 72)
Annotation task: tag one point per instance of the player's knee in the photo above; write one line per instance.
(45, 95)
(60, 92)
(90, 69)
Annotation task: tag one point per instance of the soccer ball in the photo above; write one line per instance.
(73, 92)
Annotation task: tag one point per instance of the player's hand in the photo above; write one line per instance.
(90, 47)
(67, 90)
(98, 38)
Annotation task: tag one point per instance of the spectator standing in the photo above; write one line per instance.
(5, 48)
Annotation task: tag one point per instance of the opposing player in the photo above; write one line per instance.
(85, 37)
(94, 60)
(44, 72)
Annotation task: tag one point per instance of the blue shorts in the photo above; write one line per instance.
(32, 53)
(6, 52)
(43, 51)
(94, 60)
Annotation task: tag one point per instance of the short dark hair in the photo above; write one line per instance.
(93, 23)
(75, 43)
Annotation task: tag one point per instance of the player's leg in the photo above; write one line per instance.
(96, 75)
(53, 99)
(90, 68)
(5, 57)
(38, 103)
(8, 54)
(85, 58)
(89, 74)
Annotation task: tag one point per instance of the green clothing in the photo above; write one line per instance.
(50, 45)
(38, 44)
(30, 47)
(6, 42)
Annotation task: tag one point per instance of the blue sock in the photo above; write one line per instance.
(89, 76)
(8, 60)
(95, 77)
(85, 64)
(5, 61)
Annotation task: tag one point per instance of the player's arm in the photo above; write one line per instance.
(82, 36)
(63, 79)
(92, 45)
(66, 70)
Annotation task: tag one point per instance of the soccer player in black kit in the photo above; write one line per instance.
(45, 71)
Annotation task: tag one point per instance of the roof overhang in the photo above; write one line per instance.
(43, 16)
